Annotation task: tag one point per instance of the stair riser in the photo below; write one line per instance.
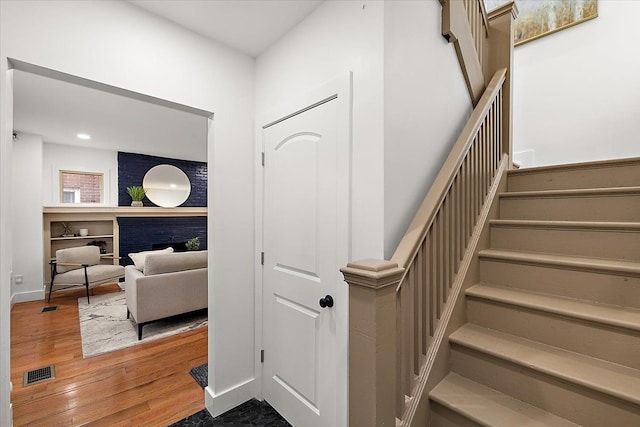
(579, 242)
(442, 416)
(605, 176)
(575, 403)
(625, 208)
(584, 285)
(613, 344)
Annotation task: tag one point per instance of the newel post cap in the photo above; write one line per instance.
(372, 273)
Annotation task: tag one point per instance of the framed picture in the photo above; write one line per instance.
(537, 18)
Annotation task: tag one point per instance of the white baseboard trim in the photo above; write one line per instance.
(27, 296)
(228, 399)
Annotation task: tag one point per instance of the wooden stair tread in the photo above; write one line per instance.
(608, 378)
(610, 315)
(578, 225)
(490, 407)
(576, 166)
(579, 192)
(566, 261)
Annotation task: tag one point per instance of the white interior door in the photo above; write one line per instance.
(300, 265)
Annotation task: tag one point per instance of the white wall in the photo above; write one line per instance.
(6, 195)
(426, 105)
(577, 92)
(120, 45)
(338, 37)
(27, 207)
(57, 157)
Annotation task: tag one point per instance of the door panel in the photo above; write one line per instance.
(300, 266)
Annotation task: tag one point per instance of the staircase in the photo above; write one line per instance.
(553, 327)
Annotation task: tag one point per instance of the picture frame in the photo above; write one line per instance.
(539, 18)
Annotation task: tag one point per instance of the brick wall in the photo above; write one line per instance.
(132, 167)
(89, 185)
(138, 234)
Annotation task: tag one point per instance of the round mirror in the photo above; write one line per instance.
(166, 186)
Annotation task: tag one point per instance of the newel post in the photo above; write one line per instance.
(501, 34)
(372, 341)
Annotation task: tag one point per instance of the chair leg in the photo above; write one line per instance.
(50, 290)
(140, 332)
(128, 313)
(87, 286)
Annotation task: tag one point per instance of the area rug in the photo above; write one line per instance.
(200, 373)
(104, 326)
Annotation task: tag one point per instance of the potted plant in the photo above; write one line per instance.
(193, 244)
(137, 194)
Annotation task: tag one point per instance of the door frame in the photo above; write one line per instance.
(337, 90)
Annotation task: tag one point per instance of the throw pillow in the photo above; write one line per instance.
(139, 258)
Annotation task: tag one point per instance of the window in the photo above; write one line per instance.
(80, 187)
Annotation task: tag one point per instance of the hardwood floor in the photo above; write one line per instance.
(146, 385)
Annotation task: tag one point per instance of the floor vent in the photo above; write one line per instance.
(48, 309)
(38, 375)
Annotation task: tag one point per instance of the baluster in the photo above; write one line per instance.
(458, 225)
(436, 265)
(468, 201)
(424, 334)
(431, 290)
(400, 401)
(474, 183)
(444, 214)
(411, 329)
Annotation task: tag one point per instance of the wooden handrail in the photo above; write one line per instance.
(483, 8)
(422, 221)
(401, 310)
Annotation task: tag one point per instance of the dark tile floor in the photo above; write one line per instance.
(251, 413)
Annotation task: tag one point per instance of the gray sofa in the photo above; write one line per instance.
(170, 284)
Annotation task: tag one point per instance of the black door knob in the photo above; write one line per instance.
(326, 301)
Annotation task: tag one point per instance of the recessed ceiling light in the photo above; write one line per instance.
(83, 136)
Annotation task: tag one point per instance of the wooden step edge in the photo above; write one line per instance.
(487, 406)
(567, 225)
(598, 164)
(574, 192)
(620, 317)
(611, 266)
(618, 381)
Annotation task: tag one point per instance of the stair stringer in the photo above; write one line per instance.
(437, 362)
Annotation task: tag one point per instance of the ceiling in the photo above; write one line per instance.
(250, 26)
(59, 110)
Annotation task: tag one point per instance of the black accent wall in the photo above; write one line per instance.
(132, 167)
(140, 233)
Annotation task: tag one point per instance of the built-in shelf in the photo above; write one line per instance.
(102, 223)
(127, 211)
(101, 236)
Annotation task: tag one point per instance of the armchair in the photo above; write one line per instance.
(81, 267)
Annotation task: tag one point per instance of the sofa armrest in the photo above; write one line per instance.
(131, 276)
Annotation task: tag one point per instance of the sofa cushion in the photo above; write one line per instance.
(178, 261)
(139, 258)
(89, 255)
(100, 273)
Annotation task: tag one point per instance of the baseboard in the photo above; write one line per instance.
(228, 399)
(27, 296)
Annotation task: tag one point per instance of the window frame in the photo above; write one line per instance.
(62, 172)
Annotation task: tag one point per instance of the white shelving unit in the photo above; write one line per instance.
(103, 227)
